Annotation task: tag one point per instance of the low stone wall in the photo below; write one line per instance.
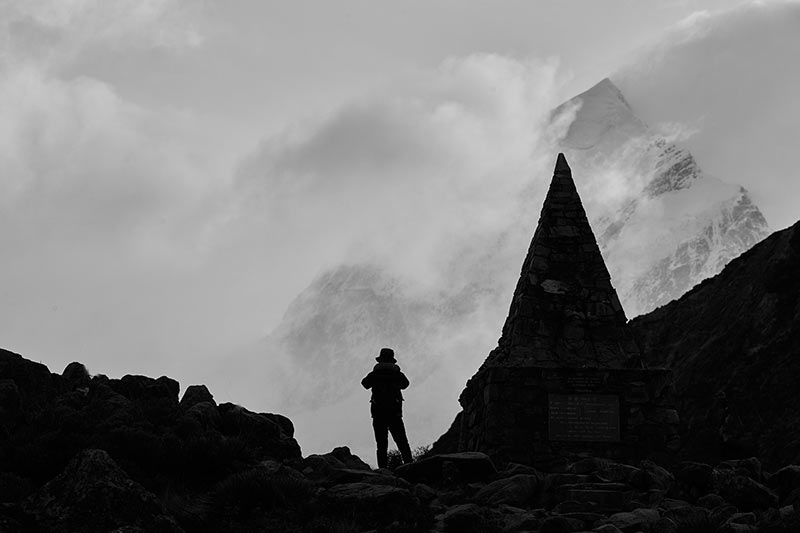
(536, 415)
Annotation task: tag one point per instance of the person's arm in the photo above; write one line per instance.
(402, 381)
(367, 381)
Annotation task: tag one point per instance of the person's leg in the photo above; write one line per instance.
(381, 429)
(398, 430)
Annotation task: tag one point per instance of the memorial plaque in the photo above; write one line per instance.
(583, 417)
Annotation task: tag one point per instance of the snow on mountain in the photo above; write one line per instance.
(662, 223)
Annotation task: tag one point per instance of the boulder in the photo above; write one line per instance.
(36, 386)
(205, 414)
(380, 501)
(146, 389)
(11, 413)
(636, 520)
(465, 518)
(76, 375)
(710, 501)
(729, 527)
(688, 518)
(784, 481)
(259, 431)
(519, 490)
(449, 469)
(94, 494)
(742, 491)
(655, 477)
(347, 458)
(607, 528)
(285, 424)
(349, 475)
(560, 524)
(195, 394)
(720, 515)
(750, 467)
(521, 520)
(693, 479)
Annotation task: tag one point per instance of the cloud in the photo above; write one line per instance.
(730, 76)
(415, 168)
(51, 32)
(108, 210)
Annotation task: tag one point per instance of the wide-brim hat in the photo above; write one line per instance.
(386, 356)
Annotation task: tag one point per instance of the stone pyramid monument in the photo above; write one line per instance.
(565, 312)
(566, 379)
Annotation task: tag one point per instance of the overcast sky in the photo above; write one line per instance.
(173, 173)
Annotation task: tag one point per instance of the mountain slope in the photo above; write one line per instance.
(733, 343)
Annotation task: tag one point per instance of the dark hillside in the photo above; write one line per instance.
(733, 343)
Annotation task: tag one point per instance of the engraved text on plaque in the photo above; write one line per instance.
(583, 417)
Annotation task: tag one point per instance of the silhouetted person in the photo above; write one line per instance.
(386, 381)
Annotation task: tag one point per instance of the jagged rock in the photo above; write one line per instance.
(424, 493)
(743, 518)
(729, 527)
(783, 520)
(590, 465)
(522, 521)
(519, 490)
(11, 413)
(750, 467)
(195, 394)
(337, 464)
(655, 477)
(466, 517)
(76, 375)
(743, 491)
(710, 501)
(560, 524)
(348, 459)
(147, 389)
(512, 469)
(37, 387)
(687, 517)
(693, 479)
(719, 515)
(349, 475)
(607, 497)
(109, 407)
(94, 494)
(784, 481)
(607, 528)
(285, 424)
(664, 525)
(636, 520)
(205, 414)
(448, 469)
(259, 430)
(278, 469)
(390, 502)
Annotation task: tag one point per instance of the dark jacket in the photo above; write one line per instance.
(386, 382)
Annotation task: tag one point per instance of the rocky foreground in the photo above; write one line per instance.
(93, 454)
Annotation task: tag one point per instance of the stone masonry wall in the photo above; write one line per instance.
(506, 413)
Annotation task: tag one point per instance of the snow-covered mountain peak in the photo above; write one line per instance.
(663, 223)
(603, 116)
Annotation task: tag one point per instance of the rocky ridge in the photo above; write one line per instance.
(87, 453)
